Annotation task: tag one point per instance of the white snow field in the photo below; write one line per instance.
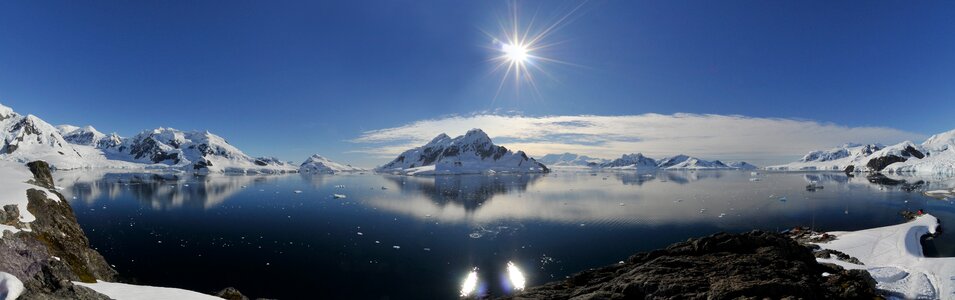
(122, 291)
(894, 257)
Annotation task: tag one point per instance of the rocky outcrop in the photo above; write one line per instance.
(52, 251)
(752, 265)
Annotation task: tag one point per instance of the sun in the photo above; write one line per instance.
(521, 48)
(515, 53)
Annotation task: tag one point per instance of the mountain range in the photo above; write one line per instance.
(27, 138)
(936, 155)
(638, 161)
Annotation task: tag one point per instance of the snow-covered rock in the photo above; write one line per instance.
(636, 161)
(317, 164)
(472, 153)
(570, 160)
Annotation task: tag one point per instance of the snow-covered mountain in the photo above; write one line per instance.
(317, 164)
(634, 161)
(195, 151)
(472, 153)
(693, 163)
(28, 138)
(88, 136)
(742, 165)
(835, 159)
(934, 156)
(570, 160)
(938, 156)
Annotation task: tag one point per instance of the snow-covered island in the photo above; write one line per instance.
(317, 164)
(934, 156)
(471, 153)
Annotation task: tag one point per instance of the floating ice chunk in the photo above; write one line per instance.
(298, 191)
(340, 186)
(396, 247)
(339, 196)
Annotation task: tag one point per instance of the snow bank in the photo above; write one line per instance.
(10, 286)
(122, 291)
(893, 255)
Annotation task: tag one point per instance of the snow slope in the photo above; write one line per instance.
(894, 257)
(683, 162)
(317, 164)
(570, 160)
(471, 153)
(13, 190)
(122, 291)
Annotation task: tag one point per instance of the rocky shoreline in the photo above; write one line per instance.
(753, 265)
(52, 252)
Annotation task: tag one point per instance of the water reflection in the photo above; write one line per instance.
(659, 198)
(467, 191)
(156, 190)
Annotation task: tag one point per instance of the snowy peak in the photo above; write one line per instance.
(28, 137)
(742, 165)
(940, 142)
(317, 164)
(473, 152)
(632, 161)
(87, 136)
(667, 162)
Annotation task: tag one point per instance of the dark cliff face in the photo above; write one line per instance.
(723, 266)
(55, 251)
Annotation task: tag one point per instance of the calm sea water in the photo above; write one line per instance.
(395, 237)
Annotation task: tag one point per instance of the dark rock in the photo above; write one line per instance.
(879, 163)
(849, 169)
(829, 253)
(231, 293)
(752, 265)
(41, 173)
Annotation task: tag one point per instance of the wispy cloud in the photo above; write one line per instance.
(729, 137)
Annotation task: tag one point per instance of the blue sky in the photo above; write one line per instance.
(291, 78)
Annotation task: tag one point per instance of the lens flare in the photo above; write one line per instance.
(516, 276)
(521, 48)
(470, 284)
